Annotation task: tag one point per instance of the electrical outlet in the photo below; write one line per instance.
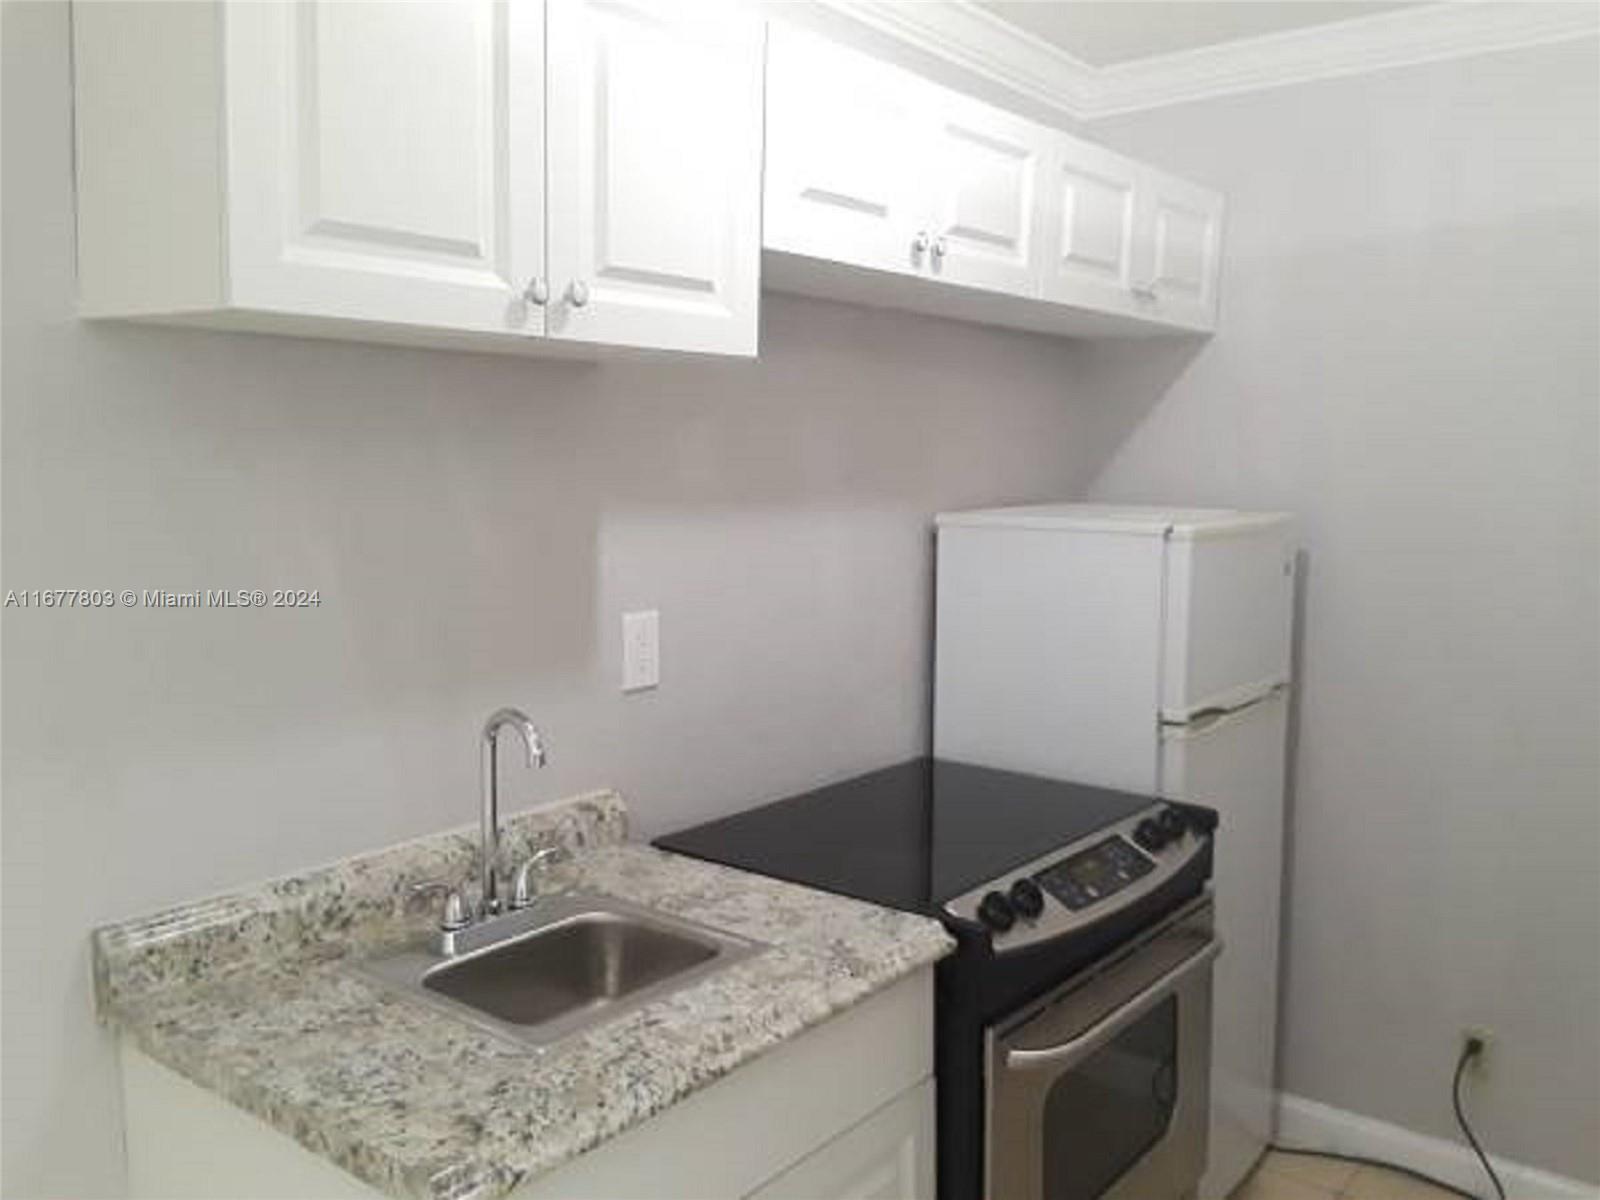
(641, 650)
(1480, 1062)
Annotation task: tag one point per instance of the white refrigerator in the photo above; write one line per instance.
(1146, 649)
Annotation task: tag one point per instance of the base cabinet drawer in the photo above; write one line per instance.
(889, 1156)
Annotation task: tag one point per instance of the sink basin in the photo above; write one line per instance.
(562, 965)
(587, 961)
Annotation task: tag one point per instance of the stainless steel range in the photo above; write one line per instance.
(1074, 1019)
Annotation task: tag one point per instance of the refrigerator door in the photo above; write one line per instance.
(1045, 658)
(1234, 762)
(1229, 605)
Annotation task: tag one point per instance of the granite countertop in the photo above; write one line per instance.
(251, 996)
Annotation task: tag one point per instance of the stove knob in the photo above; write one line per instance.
(1026, 898)
(995, 911)
(1172, 823)
(1149, 834)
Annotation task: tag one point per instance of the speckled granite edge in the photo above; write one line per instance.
(425, 1107)
(327, 912)
(248, 996)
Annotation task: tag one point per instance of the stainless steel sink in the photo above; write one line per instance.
(567, 962)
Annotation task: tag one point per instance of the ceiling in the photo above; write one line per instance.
(1104, 33)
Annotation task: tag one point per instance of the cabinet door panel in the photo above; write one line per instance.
(1089, 243)
(1179, 237)
(889, 1156)
(655, 175)
(845, 142)
(386, 160)
(986, 169)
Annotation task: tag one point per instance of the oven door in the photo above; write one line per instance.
(1099, 1091)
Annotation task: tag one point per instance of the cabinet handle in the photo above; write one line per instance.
(938, 247)
(537, 293)
(578, 293)
(1144, 291)
(919, 244)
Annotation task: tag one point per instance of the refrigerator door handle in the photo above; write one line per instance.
(1205, 720)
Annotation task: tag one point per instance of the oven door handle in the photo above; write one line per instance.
(1073, 1049)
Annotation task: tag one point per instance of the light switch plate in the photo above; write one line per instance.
(641, 650)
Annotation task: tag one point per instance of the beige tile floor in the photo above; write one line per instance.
(1301, 1177)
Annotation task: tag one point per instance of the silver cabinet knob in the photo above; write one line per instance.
(1144, 291)
(939, 247)
(919, 244)
(578, 293)
(537, 292)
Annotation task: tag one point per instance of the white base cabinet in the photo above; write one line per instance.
(844, 1111)
(889, 1156)
(884, 188)
(508, 175)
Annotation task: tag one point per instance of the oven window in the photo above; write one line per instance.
(1101, 1117)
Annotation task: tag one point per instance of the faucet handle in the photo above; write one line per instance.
(522, 889)
(454, 915)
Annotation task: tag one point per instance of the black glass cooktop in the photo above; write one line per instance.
(909, 836)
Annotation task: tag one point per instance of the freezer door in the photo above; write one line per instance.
(1046, 658)
(1234, 762)
(1229, 605)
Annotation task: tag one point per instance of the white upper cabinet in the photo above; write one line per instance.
(526, 174)
(844, 155)
(986, 167)
(1088, 245)
(884, 188)
(872, 167)
(384, 160)
(1179, 246)
(486, 173)
(655, 122)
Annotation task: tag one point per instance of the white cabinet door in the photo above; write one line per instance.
(654, 175)
(1088, 242)
(1176, 256)
(985, 174)
(385, 161)
(845, 151)
(889, 1156)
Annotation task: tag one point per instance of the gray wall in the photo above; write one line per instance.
(475, 524)
(1408, 359)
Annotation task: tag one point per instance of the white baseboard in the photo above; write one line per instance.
(1313, 1126)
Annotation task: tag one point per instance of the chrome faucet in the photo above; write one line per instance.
(533, 742)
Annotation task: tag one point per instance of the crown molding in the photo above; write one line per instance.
(975, 40)
(1399, 38)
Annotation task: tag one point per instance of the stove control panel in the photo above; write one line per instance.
(1078, 884)
(1093, 874)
